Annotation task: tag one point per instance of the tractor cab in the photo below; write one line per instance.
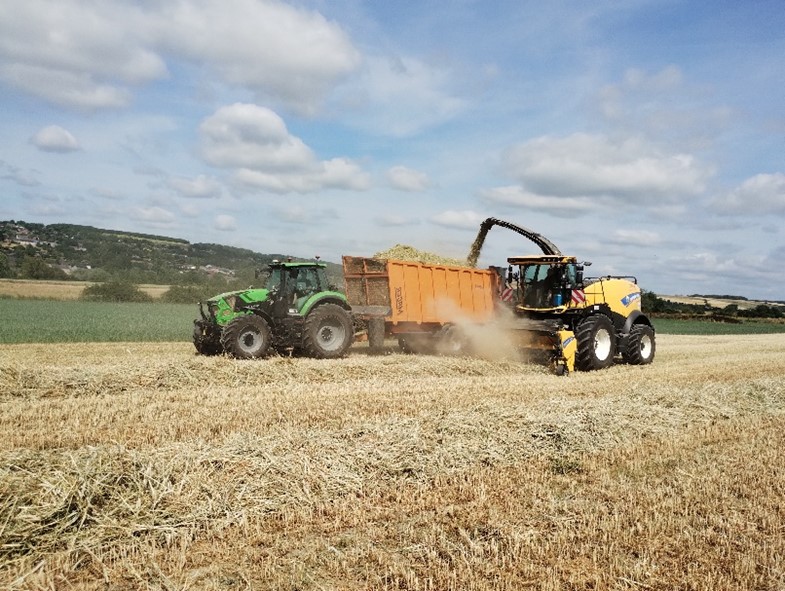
(544, 282)
(291, 285)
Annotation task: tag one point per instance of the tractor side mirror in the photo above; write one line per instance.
(579, 274)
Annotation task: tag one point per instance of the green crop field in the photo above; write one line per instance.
(51, 321)
(703, 327)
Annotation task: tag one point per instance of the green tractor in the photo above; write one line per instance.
(296, 311)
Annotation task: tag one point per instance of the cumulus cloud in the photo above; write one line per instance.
(762, 194)
(407, 179)
(662, 105)
(413, 94)
(518, 197)
(255, 143)
(154, 216)
(583, 165)
(465, 220)
(201, 187)
(55, 139)
(90, 55)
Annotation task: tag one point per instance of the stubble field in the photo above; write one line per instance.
(143, 466)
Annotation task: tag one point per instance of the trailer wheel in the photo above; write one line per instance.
(246, 337)
(640, 346)
(328, 332)
(451, 340)
(596, 343)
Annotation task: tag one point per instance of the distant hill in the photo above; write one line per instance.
(68, 251)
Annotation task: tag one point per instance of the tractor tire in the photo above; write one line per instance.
(640, 345)
(247, 337)
(328, 332)
(207, 342)
(596, 343)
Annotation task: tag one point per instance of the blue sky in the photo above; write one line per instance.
(646, 136)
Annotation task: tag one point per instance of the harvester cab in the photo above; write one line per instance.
(296, 310)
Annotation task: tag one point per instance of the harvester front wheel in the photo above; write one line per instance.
(328, 332)
(640, 346)
(246, 337)
(596, 343)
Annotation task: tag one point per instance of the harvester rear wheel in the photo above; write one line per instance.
(246, 337)
(640, 346)
(328, 332)
(596, 343)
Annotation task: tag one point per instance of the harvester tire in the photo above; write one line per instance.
(206, 342)
(247, 337)
(328, 332)
(596, 343)
(640, 345)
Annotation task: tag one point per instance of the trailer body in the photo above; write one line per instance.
(418, 297)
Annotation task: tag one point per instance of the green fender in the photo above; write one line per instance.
(332, 297)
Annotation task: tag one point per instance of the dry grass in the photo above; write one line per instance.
(59, 290)
(142, 466)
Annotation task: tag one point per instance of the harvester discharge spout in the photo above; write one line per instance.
(547, 247)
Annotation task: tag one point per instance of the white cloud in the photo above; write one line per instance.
(412, 94)
(201, 187)
(407, 179)
(278, 51)
(55, 139)
(582, 165)
(762, 194)
(518, 197)
(88, 55)
(155, 216)
(254, 141)
(225, 223)
(465, 220)
(635, 237)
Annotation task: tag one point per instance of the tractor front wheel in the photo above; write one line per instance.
(206, 339)
(596, 343)
(246, 337)
(640, 346)
(328, 332)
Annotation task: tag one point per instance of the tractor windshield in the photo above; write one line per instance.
(272, 278)
(546, 285)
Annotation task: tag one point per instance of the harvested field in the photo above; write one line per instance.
(143, 466)
(59, 290)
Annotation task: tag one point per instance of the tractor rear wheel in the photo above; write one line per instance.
(596, 343)
(328, 332)
(640, 346)
(246, 337)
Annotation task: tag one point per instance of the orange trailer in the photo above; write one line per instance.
(419, 303)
